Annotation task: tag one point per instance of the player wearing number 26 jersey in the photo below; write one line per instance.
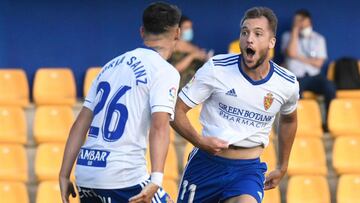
(130, 102)
(124, 95)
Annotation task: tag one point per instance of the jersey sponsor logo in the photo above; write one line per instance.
(243, 116)
(92, 157)
(268, 100)
(231, 92)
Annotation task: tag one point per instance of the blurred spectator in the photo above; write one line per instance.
(187, 57)
(305, 54)
(347, 73)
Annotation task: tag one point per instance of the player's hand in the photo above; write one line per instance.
(146, 194)
(66, 188)
(273, 179)
(212, 145)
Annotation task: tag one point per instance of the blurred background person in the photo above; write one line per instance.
(305, 54)
(188, 57)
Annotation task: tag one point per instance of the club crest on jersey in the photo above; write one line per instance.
(268, 100)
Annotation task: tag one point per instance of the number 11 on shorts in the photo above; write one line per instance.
(191, 189)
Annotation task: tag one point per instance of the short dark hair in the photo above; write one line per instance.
(158, 17)
(304, 13)
(257, 12)
(184, 19)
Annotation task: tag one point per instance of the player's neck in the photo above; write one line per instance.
(257, 73)
(159, 45)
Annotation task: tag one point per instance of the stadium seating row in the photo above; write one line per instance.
(52, 123)
(300, 189)
(303, 186)
(56, 86)
(52, 86)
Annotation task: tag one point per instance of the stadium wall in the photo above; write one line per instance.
(83, 33)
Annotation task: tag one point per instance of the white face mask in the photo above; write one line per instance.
(187, 35)
(306, 32)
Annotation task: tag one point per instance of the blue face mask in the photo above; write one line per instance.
(187, 35)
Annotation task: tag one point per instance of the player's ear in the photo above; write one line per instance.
(272, 43)
(142, 31)
(177, 33)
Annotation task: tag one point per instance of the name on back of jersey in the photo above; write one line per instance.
(134, 63)
(92, 157)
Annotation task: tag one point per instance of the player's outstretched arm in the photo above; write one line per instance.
(287, 131)
(75, 140)
(159, 143)
(183, 126)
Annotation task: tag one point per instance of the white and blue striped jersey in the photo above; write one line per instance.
(123, 96)
(235, 107)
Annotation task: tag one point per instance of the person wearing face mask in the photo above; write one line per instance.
(305, 54)
(187, 57)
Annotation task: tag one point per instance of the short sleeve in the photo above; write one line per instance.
(320, 49)
(291, 104)
(163, 92)
(91, 96)
(199, 88)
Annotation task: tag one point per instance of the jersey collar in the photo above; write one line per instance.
(255, 82)
(146, 47)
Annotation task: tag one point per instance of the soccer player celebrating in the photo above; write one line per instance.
(240, 96)
(133, 92)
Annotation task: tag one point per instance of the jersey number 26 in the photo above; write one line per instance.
(116, 114)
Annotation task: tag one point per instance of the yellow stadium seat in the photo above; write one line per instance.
(348, 189)
(269, 156)
(170, 186)
(309, 119)
(344, 117)
(13, 192)
(14, 165)
(346, 154)
(90, 75)
(14, 87)
(350, 94)
(48, 161)
(52, 123)
(171, 164)
(54, 86)
(194, 116)
(342, 93)
(49, 191)
(13, 128)
(331, 71)
(272, 196)
(309, 189)
(307, 157)
(172, 135)
(309, 95)
(272, 135)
